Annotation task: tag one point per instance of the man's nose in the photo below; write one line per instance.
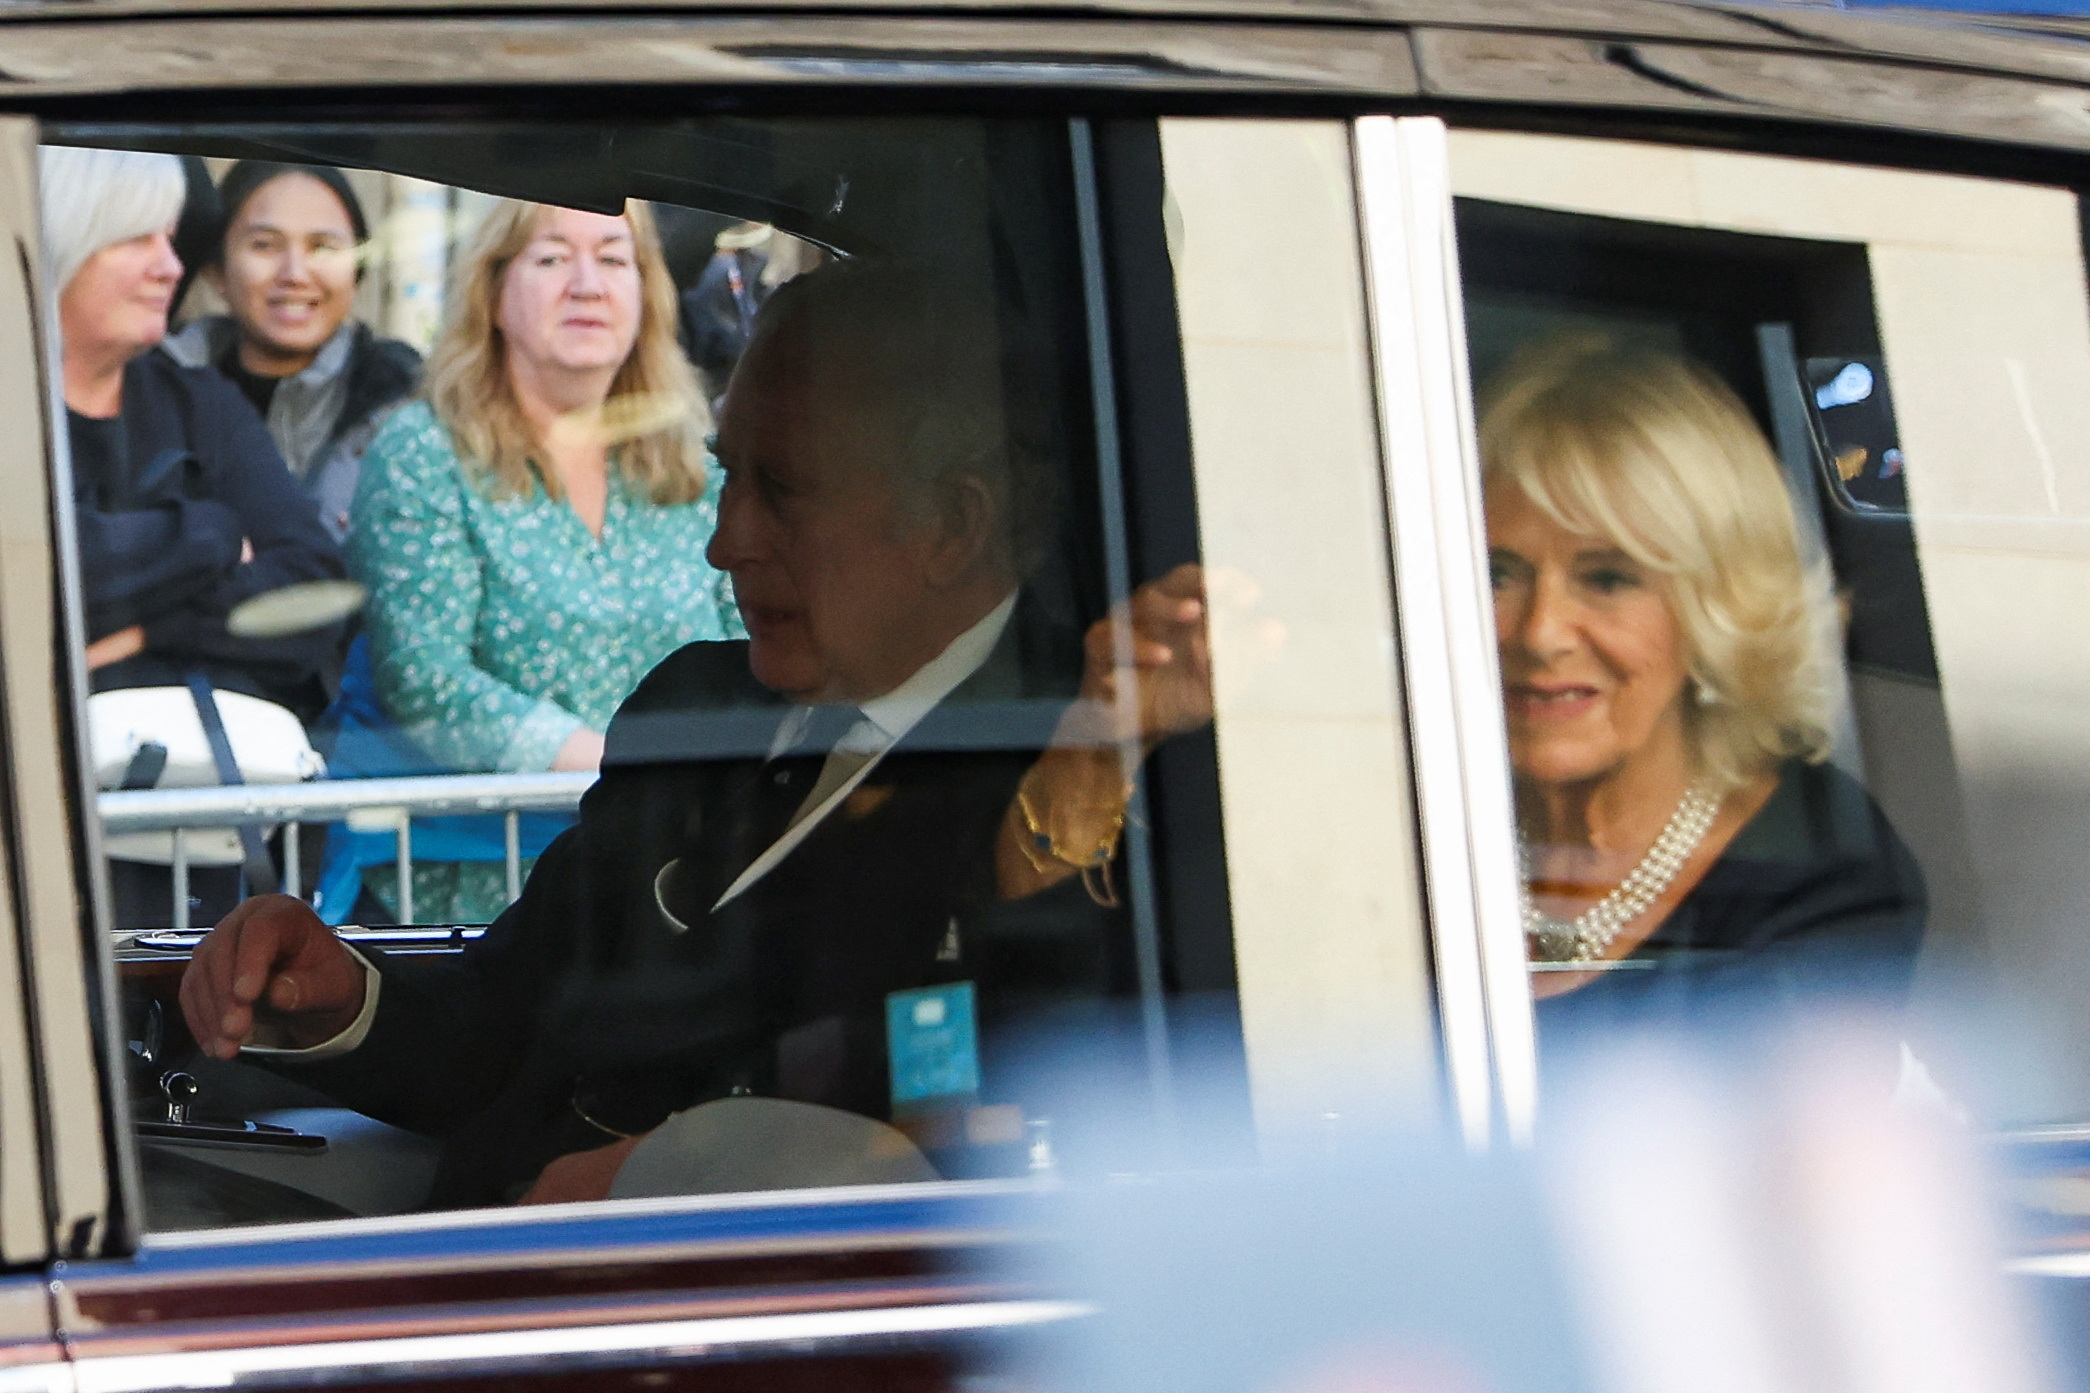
(735, 541)
(296, 264)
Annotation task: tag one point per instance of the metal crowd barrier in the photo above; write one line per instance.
(365, 804)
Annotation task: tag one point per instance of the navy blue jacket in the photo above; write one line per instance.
(164, 495)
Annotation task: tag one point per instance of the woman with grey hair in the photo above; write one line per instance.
(1665, 655)
(183, 506)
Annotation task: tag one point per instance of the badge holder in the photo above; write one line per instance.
(933, 1053)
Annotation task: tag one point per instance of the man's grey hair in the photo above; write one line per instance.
(940, 385)
(96, 198)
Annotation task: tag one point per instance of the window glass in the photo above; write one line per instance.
(689, 664)
(1783, 467)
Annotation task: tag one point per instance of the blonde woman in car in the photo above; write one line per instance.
(1665, 663)
(533, 529)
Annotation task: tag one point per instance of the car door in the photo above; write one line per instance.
(1216, 387)
(1808, 277)
(1270, 330)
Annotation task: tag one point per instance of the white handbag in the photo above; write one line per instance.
(268, 743)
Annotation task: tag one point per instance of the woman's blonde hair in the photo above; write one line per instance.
(1656, 455)
(655, 414)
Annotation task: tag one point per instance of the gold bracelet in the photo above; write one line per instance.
(1041, 848)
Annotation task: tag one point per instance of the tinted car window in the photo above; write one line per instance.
(708, 748)
(1776, 455)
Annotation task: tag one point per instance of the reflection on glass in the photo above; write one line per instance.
(1666, 667)
(1855, 417)
(857, 888)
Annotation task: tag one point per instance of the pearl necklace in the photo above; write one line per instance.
(1586, 937)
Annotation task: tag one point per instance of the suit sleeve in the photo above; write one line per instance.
(486, 1012)
(476, 1014)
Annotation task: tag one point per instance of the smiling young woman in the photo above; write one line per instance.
(1665, 660)
(287, 265)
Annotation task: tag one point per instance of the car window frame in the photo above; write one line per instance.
(1432, 462)
(124, 1233)
(60, 963)
(1914, 210)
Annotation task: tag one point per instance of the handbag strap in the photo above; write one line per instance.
(146, 766)
(261, 870)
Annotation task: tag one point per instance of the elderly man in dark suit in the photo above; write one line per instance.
(907, 776)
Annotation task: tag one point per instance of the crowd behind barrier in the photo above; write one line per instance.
(532, 529)
(398, 813)
(524, 520)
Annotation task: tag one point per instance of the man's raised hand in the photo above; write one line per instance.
(270, 962)
(1161, 630)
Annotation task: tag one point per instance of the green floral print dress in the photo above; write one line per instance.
(500, 626)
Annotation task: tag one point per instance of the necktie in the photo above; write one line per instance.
(787, 782)
(750, 820)
(838, 769)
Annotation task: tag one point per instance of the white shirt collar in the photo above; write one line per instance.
(886, 721)
(888, 718)
(902, 708)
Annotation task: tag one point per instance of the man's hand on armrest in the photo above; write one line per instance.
(271, 963)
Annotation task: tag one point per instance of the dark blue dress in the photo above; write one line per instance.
(1816, 905)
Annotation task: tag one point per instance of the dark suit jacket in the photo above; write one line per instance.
(583, 1011)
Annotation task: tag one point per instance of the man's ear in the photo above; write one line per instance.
(962, 528)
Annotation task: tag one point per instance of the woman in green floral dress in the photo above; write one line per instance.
(533, 530)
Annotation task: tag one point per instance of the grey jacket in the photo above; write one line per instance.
(322, 419)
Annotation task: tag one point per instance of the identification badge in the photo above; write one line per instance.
(932, 1046)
